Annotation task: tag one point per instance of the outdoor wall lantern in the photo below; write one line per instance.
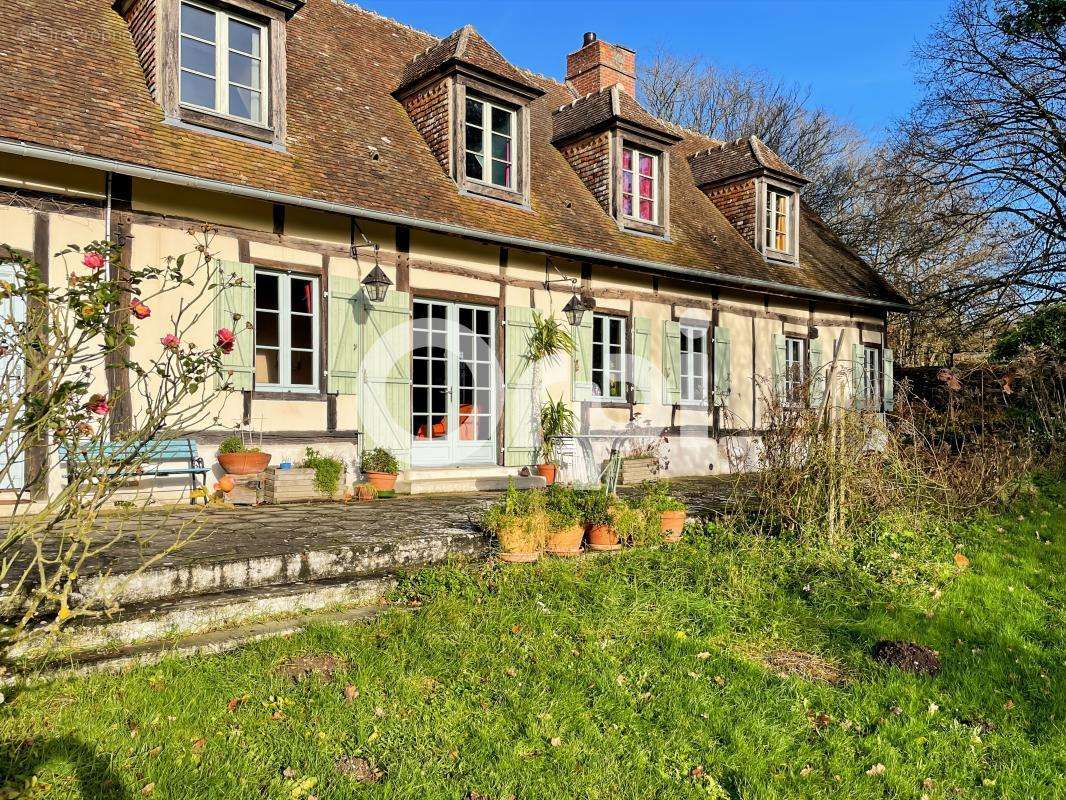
(574, 311)
(377, 283)
(575, 308)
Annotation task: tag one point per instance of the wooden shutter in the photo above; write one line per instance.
(235, 309)
(889, 379)
(780, 364)
(671, 362)
(642, 383)
(583, 358)
(857, 370)
(522, 410)
(13, 310)
(723, 386)
(385, 366)
(816, 380)
(343, 342)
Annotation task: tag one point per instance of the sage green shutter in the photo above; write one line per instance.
(235, 309)
(642, 383)
(385, 399)
(722, 381)
(343, 342)
(671, 362)
(889, 379)
(780, 363)
(817, 376)
(12, 454)
(857, 375)
(583, 357)
(520, 412)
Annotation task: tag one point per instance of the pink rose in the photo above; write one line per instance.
(97, 404)
(139, 309)
(170, 341)
(224, 340)
(93, 261)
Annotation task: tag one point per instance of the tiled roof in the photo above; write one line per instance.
(744, 156)
(351, 143)
(600, 109)
(465, 46)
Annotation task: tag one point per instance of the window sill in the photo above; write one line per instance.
(484, 191)
(639, 226)
(287, 394)
(234, 127)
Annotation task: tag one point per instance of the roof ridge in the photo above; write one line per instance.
(353, 6)
(464, 40)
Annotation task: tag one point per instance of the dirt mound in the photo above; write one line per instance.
(299, 669)
(361, 769)
(907, 656)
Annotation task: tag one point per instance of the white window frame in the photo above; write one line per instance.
(221, 76)
(871, 377)
(487, 133)
(772, 218)
(635, 195)
(284, 345)
(693, 365)
(795, 355)
(609, 322)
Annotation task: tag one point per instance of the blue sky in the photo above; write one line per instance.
(855, 55)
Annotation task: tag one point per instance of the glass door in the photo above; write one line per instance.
(453, 384)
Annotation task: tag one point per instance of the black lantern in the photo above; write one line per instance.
(574, 310)
(376, 284)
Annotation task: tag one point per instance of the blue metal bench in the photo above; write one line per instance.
(141, 460)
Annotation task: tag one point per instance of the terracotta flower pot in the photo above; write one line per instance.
(547, 471)
(673, 523)
(519, 558)
(364, 492)
(567, 542)
(382, 481)
(246, 463)
(603, 537)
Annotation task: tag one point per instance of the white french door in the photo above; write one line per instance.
(453, 384)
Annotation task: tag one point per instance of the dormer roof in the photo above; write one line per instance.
(466, 47)
(743, 158)
(608, 108)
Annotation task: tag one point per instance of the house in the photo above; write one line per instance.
(305, 132)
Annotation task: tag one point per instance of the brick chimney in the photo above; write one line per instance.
(598, 65)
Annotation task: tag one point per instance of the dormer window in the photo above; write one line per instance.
(778, 220)
(490, 149)
(640, 185)
(223, 63)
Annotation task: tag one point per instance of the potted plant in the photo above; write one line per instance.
(596, 511)
(565, 521)
(237, 458)
(380, 468)
(556, 419)
(548, 341)
(329, 472)
(519, 523)
(671, 512)
(364, 492)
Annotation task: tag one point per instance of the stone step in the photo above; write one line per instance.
(296, 566)
(458, 480)
(162, 623)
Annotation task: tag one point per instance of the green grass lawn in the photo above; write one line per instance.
(652, 674)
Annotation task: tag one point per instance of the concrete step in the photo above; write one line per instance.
(298, 566)
(163, 623)
(455, 480)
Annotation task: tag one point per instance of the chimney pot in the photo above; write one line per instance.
(590, 37)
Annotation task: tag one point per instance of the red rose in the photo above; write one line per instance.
(139, 309)
(93, 261)
(98, 404)
(170, 341)
(224, 340)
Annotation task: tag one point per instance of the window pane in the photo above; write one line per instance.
(302, 369)
(301, 332)
(501, 173)
(197, 56)
(198, 22)
(244, 103)
(475, 139)
(474, 111)
(244, 70)
(645, 187)
(646, 210)
(266, 290)
(627, 182)
(266, 367)
(646, 163)
(501, 121)
(627, 204)
(597, 329)
(627, 158)
(301, 295)
(501, 147)
(475, 167)
(197, 90)
(244, 37)
(266, 328)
